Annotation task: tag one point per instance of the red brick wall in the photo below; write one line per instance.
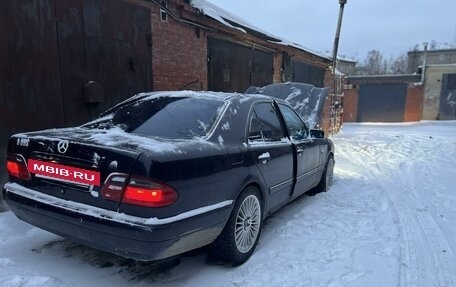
(414, 104)
(278, 64)
(328, 82)
(179, 56)
(324, 119)
(350, 105)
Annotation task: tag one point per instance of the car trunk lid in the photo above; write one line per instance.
(73, 164)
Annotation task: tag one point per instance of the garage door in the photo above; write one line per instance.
(448, 98)
(50, 50)
(234, 68)
(305, 73)
(381, 102)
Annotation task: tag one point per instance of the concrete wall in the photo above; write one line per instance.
(434, 57)
(346, 67)
(433, 89)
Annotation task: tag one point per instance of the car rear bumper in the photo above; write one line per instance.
(128, 236)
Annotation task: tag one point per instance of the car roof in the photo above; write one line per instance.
(201, 94)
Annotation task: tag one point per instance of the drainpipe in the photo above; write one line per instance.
(423, 69)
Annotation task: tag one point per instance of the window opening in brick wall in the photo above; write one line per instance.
(163, 13)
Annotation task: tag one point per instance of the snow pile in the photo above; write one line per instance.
(387, 221)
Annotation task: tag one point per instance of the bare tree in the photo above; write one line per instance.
(398, 65)
(374, 63)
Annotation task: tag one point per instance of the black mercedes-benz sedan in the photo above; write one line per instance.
(166, 172)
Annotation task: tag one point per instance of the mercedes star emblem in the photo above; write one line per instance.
(62, 146)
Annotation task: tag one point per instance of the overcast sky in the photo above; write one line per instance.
(391, 26)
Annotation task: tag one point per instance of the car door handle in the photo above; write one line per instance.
(264, 157)
(300, 151)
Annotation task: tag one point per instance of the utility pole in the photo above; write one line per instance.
(336, 38)
(335, 114)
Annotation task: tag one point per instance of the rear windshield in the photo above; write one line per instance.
(167, 117)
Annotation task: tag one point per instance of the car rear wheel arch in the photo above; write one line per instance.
(226, 247)
(261, 192)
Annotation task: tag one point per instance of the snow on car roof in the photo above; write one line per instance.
(203, 95)
(235, 22)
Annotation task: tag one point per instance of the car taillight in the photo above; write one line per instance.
(139, 191)
(149, 193)
(114, 186)
(18, 169)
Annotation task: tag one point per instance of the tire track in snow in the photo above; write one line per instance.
(419, 230)
(364, 153)
(408, 265)
(433, 233)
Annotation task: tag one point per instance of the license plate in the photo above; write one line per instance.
(63, 172)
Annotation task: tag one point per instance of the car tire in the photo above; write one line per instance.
(240, 236)
(326, 180)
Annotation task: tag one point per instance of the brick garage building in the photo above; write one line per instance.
(199, 46)
(397, 98)
(402, 98)
(64, 61)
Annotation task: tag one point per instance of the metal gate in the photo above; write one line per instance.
(63, 61)
(382, 102)
(447, 109)
(106, 46)
(297, 71)
(234, 68)
(308, 74)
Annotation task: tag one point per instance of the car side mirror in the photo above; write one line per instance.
(319, 134)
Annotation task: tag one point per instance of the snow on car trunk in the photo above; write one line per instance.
(387, 221)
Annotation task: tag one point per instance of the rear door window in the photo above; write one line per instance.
(264, 124)
(295, 126)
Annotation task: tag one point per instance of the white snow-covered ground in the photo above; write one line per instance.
(389, 220)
